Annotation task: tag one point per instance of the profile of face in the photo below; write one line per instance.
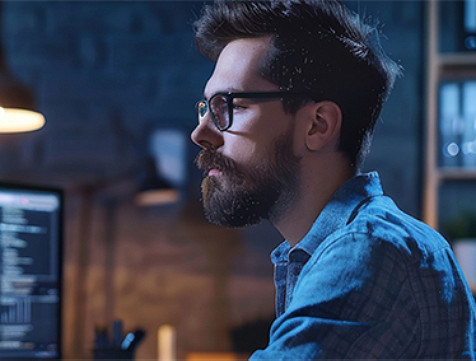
(250, 171)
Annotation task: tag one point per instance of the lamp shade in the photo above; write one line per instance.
(16, 103)
(154, 190)
(16, 106)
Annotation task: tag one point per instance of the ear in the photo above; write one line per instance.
(324, 125)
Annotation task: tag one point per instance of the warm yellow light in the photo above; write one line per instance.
(155, 197)
(14, 120)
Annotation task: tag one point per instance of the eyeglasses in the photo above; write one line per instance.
(221, 105)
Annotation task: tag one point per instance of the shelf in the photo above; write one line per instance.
(440, 67)
(454, 65)
(458, 59)
(456, 173)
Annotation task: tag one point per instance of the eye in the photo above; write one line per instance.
(238, 104)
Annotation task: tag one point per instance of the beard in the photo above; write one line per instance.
(239, 197)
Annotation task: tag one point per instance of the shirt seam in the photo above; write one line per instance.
(419, 307)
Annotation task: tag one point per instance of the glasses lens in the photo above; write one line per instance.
(219, 108)
(202, 108)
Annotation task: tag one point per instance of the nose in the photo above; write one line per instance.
(206, 135)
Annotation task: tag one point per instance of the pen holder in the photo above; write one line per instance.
(119, 347)
(113, 354)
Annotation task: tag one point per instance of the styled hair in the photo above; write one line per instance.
(317, 46)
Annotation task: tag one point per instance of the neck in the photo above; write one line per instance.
(315, 190)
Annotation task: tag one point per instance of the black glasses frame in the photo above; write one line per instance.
(229, 96)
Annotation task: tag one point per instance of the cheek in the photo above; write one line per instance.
(251, 139)
(243, 153)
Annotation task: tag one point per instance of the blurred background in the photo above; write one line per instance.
(117, 82)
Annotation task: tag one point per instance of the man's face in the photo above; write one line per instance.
(250, 170)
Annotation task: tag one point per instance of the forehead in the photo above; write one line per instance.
(238, 67)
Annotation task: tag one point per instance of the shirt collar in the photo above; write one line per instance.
(338, 211)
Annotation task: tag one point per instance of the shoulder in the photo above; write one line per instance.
(379, 227)
(383, 250)
(380, 246)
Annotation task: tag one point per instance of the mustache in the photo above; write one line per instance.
(209, 159)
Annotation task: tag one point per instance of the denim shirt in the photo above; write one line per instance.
(369, 281)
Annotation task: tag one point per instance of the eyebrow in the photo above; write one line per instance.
(226, 90)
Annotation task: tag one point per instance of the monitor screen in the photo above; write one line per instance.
(30, 272)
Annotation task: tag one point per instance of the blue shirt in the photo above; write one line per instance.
(369, 281)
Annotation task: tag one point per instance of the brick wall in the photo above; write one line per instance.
(103, 72)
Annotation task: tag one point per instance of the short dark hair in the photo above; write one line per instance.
(318, 46)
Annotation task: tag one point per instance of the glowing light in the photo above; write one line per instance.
(156, 197)
(14, 120)
(452, 149)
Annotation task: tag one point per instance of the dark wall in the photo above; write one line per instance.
(105, 74)
(397, 151)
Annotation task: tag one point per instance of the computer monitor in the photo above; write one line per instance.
(30, 272)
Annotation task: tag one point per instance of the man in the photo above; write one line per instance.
(285, 125)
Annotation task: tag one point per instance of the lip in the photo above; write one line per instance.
(213, 172)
